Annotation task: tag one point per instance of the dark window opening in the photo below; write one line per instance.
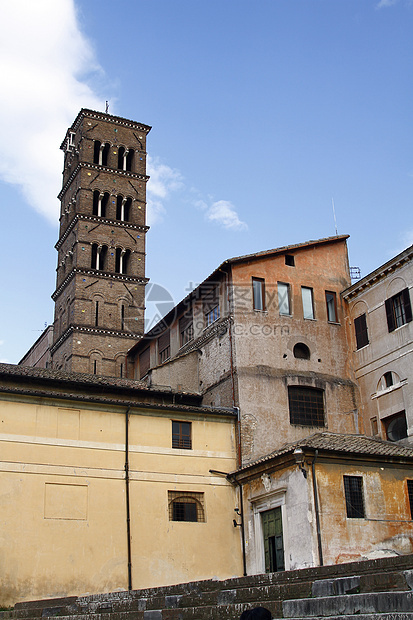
(396, 426)
(186, 506)
(306, 406)
(398, 310)
(100, 153)
(289, 260)
(258, 293)
(181, 435)
(331, 303)
(301, 351)
(122, 317)
(388, 379)
(100, 202)
(96, 151)
(123, 206)
(353, 490)
(360, 326)
(99, 253)
(125, 158)
(95, 364)
(122, 257)
(96, 313)
(410, 494)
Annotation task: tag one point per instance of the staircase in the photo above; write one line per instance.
(371, 590)
(341, 598)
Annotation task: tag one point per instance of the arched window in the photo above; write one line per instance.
(95, 362)
(125, 158)
(123, 206)
(99, 253)
(100, 153)
(100, 201)
(122, 260)
(301, 351)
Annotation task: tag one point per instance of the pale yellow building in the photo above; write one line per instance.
(106, 485)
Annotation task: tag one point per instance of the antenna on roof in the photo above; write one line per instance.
(334, 214)
(107, 107)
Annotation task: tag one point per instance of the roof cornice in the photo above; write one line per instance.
(378, 274)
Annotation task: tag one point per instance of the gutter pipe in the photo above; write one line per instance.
(128, 529)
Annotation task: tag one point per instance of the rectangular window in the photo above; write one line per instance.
(164, 348)
(210, 304)
(186, 506)
(362, 335)
(331, 303)
(181, 435)
(258, 293)
(186, 329)
(410, 493)
(353, 490)
(284, 305)
(306, 406)
(398, 310)
(308, 304)
(374, 426)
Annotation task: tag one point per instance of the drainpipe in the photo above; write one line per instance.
(317, 510)
(128, 498)
(241, 514)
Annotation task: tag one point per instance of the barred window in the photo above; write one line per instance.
(181, 435)
(353, 490)
(306, 406)
(410, 493)
(186, 506)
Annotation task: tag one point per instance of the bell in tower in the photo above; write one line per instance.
(100, 282)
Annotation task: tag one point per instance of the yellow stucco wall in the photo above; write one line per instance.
(63, 507)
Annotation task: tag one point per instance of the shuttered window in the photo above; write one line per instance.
(398, 310)
(362, 336)
(164, 346)
(186, 329)
(144, 362)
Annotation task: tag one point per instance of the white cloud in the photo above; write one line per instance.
(223, 213)
(44, 61)
(163, 181)
(386, 3)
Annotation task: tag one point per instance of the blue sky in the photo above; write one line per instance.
(262, 113)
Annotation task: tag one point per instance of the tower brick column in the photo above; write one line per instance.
(100, 282)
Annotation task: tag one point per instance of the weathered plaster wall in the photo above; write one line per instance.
(264, 343)
(62, 497)
(387, 528)
(290, 490)
(385, 352)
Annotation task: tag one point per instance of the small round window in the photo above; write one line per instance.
(301, 351)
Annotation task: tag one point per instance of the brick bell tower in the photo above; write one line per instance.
(100, 283)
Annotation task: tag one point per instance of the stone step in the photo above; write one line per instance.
(349, 604)
(407, 615)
